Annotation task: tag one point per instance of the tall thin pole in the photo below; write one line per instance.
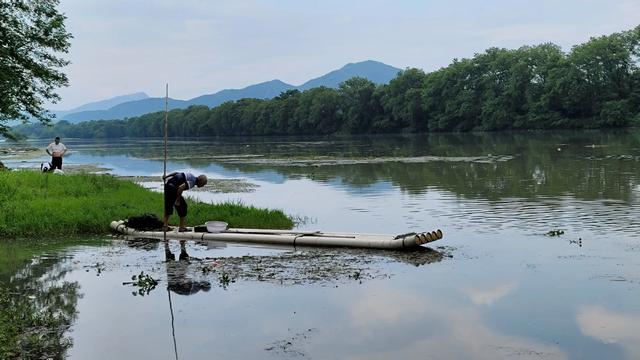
(164, 181)
(164, 171)
(173, 328)
(166, 115)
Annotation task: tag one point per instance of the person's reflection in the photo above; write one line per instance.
(177, 279)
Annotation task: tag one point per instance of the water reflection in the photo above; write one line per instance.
(178, 279)
(423, 327)
(421, 305)
(585, 165)
(499, 289)
(611, 327)
(490, 295)
(38, 279)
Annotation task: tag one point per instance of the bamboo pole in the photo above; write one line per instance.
(164, 181)
(164, 171)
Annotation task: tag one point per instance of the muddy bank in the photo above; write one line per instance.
(287, 266)
(312, 266)
(258, 159)
(21, 152)
(334, 161)
(213, 185)
(324, 266)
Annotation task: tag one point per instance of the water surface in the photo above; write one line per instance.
(495, 287)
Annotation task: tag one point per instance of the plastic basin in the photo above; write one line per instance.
(216, 226)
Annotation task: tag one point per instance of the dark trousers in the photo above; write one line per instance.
(56, 162)
(170, 197)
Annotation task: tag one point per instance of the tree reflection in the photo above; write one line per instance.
(587, 165)
(41, 302)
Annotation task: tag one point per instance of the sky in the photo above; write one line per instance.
(204, 46)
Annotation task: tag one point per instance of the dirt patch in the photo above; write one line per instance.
(84, 168)
(300, 266)
(20, 152)
(257, 159)
(313, 266)
(331, 161)
(213, 185)
(290, 347)
(73, 168)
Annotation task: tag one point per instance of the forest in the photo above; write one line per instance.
(594, 85)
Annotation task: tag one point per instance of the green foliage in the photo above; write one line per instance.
(27, 333)
(31, 34)
(37, 204)
(595, 85)
(144, 282)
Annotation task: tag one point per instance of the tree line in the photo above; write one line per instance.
(594, 85)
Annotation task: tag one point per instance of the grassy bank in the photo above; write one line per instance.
(36, 204)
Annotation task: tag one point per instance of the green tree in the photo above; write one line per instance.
(404, 103)
(32, 34)
(356, 97)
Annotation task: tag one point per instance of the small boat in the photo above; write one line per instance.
(291, 237)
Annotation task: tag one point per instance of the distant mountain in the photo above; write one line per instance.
(127, 109)
(265, 90)
(376, 72)
(102, 104)
(109, 103)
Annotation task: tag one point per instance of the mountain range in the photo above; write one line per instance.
(137, 104)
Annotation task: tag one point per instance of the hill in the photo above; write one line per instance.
(377, 72)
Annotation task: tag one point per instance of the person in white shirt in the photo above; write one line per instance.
(57, 150)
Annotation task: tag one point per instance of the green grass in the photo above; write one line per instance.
(33, 204)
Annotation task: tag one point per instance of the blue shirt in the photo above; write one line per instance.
(190, 179)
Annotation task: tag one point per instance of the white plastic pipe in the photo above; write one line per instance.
(291, 237)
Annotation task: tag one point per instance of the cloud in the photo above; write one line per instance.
(490, 296)
(611, 327)
(387, 308)
(201, 47)
(412, 326)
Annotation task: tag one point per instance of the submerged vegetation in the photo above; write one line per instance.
(29, 333)
(36, 204)
(595, 85)
(37, 305)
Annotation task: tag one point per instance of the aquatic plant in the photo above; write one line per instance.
(144, 282)
(224, 280)
(29, 333)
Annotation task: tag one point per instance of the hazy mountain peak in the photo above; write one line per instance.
(109, 103)
(375, 71)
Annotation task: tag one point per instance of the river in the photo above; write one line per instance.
(498, 285)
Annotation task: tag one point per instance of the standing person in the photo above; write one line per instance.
(175, 184)
(57, 150)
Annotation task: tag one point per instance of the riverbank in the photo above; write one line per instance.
(33, 204)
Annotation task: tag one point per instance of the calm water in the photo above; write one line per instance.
(496, 288)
